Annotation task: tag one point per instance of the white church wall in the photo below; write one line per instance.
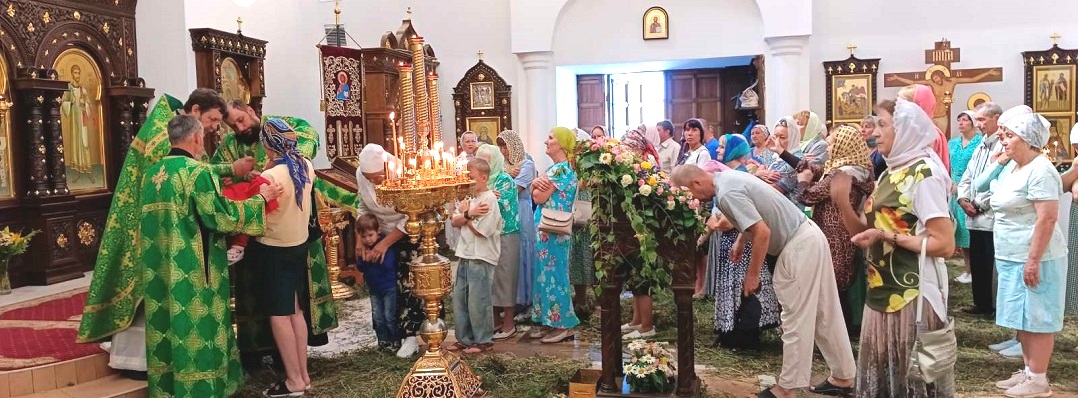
(456, 30)
(165, 58)
(990, 33)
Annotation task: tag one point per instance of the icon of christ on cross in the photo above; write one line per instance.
(942, 79)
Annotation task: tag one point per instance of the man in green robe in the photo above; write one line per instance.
(253, 331)
(116, 291)
(190, 345)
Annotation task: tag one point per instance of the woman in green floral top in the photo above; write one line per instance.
(909, 206)
(504, 290)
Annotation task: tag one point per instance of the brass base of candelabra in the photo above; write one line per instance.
(332, 220)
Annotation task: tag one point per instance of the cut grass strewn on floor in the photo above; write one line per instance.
(373, 374)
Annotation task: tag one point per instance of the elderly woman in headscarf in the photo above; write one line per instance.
(758, 137)
(814, 140)
(961, 149)
(868, 132)
(370, 173)
(785, 141)
(1030, 248)
(837, 192)
(282, 253)
(552, 304)
(581, 256)
(922, 95)
(738, 319)
(521, 167)
(901, 227)
(506, 274)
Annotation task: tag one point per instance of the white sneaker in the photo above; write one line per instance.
(1016, 379)
(408, 348)
(235, 254)
(1003, 345)
(1014, 351)
(964, 278)
(1030, 388)
(626, 328)
(637, 335)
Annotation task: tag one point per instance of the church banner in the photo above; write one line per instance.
(342, 91)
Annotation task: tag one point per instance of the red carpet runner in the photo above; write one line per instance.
(42, 331)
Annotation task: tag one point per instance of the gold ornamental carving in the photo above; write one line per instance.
(332, 220)
(46, 18)
(61, 241)
(77, 16)
(87, 233)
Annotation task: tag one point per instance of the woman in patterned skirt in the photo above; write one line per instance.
(908, 208)
(844, 182)
(961, 150)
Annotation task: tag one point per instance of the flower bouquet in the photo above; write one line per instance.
(650, 368)
(628, 189)
(11, 244)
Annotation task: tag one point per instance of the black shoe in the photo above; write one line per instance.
(133, 374)
(976, 311)
(280, 389)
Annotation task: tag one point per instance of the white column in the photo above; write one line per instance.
(539, 102)
(786, 75)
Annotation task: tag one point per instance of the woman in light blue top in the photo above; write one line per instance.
(521, 166)
(961, 151)
(1030, 247)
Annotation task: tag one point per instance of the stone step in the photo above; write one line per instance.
(111, 386)
(54, 376)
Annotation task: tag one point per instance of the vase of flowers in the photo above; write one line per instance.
(650, 368)
(11, 245)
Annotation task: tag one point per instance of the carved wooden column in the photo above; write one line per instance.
(610, 319)
(35, 92)
(128, 101)
(54, 141)
(685, 257)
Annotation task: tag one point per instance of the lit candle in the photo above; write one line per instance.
(411, 163)
(385, 161)
(393, 125)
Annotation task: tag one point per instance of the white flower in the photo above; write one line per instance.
(606, 158)
(670, 205)
(645, 190)
(648, 359)
(626, 180)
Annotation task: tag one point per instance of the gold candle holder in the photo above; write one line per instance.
(422, 100)
(407, 107)
(332, 220)
(436, 108)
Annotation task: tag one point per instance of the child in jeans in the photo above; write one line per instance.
(381, 279)
(478, 247)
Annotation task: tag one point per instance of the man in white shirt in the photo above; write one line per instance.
(669, 150)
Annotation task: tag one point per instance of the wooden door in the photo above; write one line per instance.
(694, 94)
(735, 79)
(591, 101)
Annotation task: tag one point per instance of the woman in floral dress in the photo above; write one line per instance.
(838, 193)
(521, 167)
(552, 303)
(910, 206)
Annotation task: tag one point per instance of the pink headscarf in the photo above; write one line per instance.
(924, 98)
(714, 166)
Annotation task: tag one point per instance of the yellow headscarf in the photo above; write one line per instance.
(566, 138)
(847, 148)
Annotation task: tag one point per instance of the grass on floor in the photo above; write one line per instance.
(373, 374)
(977, 369)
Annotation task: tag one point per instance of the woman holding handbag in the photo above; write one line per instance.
(1031, 251)
(915, 232)
(554, 192)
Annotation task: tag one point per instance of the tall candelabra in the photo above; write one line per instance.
(421, 179)
(332, 220)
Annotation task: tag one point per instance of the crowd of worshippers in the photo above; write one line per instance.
(850, 225)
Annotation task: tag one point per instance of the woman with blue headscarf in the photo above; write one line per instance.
(282, 254)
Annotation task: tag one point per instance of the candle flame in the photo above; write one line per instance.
(392, 116)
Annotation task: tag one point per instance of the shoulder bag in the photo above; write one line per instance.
(556, 222)
(934, 351)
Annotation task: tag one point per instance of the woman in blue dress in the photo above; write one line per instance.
(552, 303)
(521, 167)
(961, 150)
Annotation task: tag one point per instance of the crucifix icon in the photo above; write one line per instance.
(942, 79)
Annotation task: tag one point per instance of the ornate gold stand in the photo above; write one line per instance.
(437, 373)
(332, 220)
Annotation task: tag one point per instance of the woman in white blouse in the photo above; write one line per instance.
(697, 152)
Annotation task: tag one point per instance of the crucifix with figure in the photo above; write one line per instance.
(942, 79)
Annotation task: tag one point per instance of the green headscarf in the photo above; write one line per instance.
(565, 138)
(493, 155)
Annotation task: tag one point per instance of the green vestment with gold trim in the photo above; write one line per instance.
(190, 346)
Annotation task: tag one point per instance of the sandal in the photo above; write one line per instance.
(826, 388)
(280, 389)
(560, 337)
(536, 332)
(457, 347)
(479, 348)
(766, 394)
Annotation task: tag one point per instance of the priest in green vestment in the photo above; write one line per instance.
(116, 290)
(190, 346)
(253, 332)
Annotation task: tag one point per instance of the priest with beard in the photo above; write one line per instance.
(114, 303)
(254, 336)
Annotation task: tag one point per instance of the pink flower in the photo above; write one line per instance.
(659, 190)
(636, 168)
(595, 147)
(694, 204)
(670, 198)
(640, 182)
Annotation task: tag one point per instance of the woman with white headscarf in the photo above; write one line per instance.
(1030, 248)
(909, 211)
(785, 140)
